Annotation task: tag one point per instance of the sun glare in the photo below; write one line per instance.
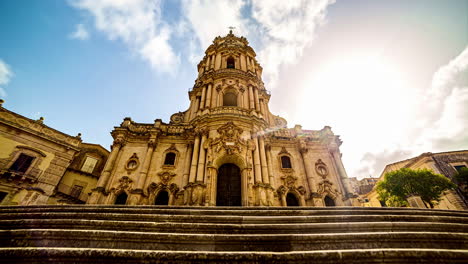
(354, 91)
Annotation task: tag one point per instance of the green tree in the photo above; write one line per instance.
(462, 179)
(400, 184)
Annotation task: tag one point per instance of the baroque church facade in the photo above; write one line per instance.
(226, 149)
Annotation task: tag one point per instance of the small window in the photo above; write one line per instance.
(121, 198)
(170, 158)
(230, 99)
(89, 164)
(22, 163)
(286, 162)
(231, 63)
(76, 191)
(459, 167)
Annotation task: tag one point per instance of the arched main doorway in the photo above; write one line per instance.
(162, 198)
(291, 200)
(228, 188)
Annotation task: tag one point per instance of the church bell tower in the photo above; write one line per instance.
(226, 149)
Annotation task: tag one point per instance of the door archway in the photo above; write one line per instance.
(228, 187)
(162, 198)
(291, 200)
(329, 201)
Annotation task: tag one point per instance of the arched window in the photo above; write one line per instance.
(285, 162)
(230, 99)
(121, 198)
(162, 198)
(170, 158)
(329, 201)
(231, 63)
(291, 200)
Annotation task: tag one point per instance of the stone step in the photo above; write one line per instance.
(226, 211)
(71, 255)
(225, 242)
(112, 256)
(233, 219)
(229, 228)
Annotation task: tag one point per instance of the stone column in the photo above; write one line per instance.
(201, 160)
(203, 95)
(147, 161)
(270, 165)
(257, 166)
(257, 102)
(261, 107)
(207, 63)
(341, 170)
(308, 169)
(251, 98)
(218, 61)
(263, 161)
(197, 105)
(212, 61)
(208, 97)
(215, 94)
(193, 167)
(185, 177)
(103, 180)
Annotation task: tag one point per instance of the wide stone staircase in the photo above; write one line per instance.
(151, 234)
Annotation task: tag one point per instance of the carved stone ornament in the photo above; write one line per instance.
(124, 184)
(229, 139)
(321, 168)
(280, 122)
(166, 176)
(326, 187)
(282, 190)
(132, 163)
(289, 180)
(177, 118)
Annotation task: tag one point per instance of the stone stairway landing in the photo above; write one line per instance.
(70, 234)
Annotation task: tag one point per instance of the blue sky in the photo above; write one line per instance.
(390, 77)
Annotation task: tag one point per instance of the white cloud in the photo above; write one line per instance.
(447, 105)
(138, 24)
(209, 19)
(5, 77)
(80, 33)
(288, 27)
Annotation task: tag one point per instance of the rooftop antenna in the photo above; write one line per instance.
(230, 29)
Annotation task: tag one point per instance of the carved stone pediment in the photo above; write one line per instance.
(289, 180)
(166, 176)
(229, 139)
(326, 187)
(123, 184)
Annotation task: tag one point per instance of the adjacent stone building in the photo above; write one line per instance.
(226, 149)
(40, 165)
(445, 163)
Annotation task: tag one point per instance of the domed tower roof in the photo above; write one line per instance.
(230, 80)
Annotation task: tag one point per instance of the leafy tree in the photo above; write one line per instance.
(400, 184)
(462, 179)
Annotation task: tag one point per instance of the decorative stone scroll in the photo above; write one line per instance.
(125, 183)
(326, 187)
(166, 176)
(321, 168)
(177, 118)
(229, 139)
